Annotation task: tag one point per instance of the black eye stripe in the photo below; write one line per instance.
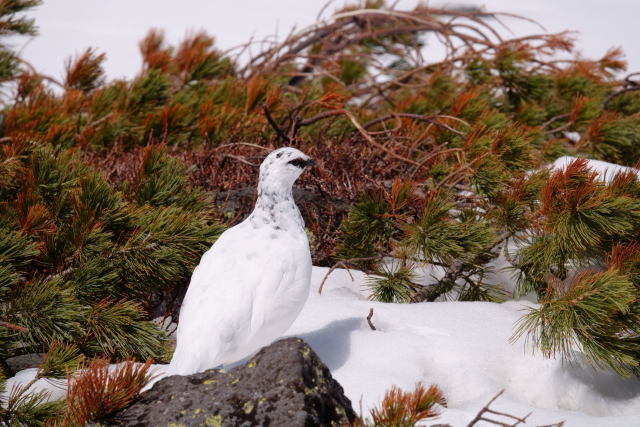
(301, 163)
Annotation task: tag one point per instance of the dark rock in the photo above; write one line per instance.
(25, 361)
(285, 384)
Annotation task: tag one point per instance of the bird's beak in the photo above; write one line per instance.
(310, 162)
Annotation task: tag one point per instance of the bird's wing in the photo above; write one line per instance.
(217, 311)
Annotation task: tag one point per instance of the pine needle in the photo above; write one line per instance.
(98, 391)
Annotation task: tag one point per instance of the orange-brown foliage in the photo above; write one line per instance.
(568, 188)
(154, 54)
(624, 256)
(85, 71)
(404, 409)
(98, 391)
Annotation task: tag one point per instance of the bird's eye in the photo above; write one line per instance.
(301, 163)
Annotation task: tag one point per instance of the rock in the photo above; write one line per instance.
(25, 361)
(284, 384)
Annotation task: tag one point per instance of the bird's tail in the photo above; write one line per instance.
(158, 372)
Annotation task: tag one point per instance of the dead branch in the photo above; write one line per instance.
(246, 144)
(346, 31)
(629, 86)
(554, 118)
(486, 409)
(274, 125)
(620, 92)
(459, 171)
(429, 119)
(373, 142)
(433, 154)
(344, 264)
(240, 159)
(318, 117)
(482, 416)
(360, 129)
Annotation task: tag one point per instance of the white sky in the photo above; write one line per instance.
(115, 27)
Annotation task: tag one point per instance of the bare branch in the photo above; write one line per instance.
(343, 264)
(430, 119)
(274, 125)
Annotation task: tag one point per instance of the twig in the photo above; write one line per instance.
(373, 328)
(554, 118)
(274, 125)
(37, 73)
(344, 263)
(28, 385)
(561, 127)
(507, 255)
(462, 169)
(248, 144)
(317, 117)
(620, 92)
(419, 117)
(373, 142)
(240, 159)
(431, 156)
(483, 410)
(360, 129)
(629, 86)
(486, 409)
(14, 327)
(98, 121)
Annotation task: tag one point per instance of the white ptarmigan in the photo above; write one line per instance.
(252, 283)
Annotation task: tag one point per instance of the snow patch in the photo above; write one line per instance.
(464, 348)
(606, 171)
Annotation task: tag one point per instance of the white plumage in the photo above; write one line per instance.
(251, 285)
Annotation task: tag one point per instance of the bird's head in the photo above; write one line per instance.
(281, 168)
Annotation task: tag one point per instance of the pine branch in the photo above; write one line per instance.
(405, 409)
(582, 312)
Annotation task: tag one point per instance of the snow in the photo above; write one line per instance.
(463, 347)
(55, 387)
(606, 171)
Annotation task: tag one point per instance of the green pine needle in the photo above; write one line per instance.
(60, 360)
(581, 314)
(392, 284)
(119, 330)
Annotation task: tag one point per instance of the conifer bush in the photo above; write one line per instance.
(110, 191)
(404, 409)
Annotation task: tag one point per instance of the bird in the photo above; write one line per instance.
(253, 282)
